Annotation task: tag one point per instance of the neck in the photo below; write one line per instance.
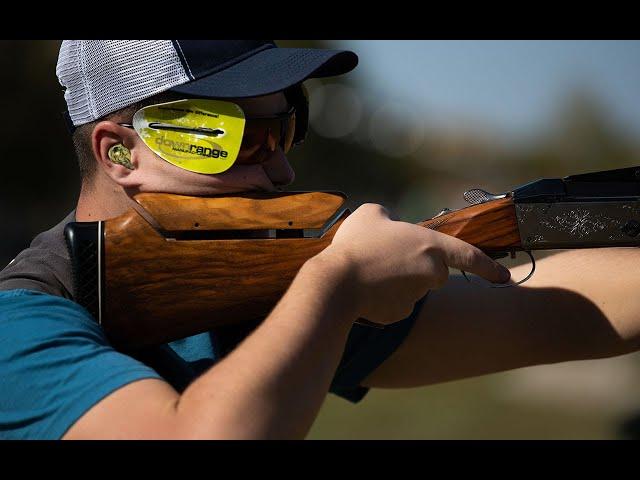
(100, 200)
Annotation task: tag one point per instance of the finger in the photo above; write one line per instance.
(463, 256)
(374, 209)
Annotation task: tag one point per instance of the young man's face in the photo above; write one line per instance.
(156, 175)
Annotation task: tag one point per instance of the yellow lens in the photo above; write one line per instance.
(198, 135)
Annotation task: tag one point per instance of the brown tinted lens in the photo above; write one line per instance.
(264, 135)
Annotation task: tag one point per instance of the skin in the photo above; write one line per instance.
(273, 384)
(580, 304)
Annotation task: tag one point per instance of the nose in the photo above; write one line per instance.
(278, 168)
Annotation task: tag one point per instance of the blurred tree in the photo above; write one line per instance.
(585, 134)
(39, 181)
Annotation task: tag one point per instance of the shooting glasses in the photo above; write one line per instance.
(209, 136)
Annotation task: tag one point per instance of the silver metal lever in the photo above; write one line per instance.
(477, 195)
(443, 211)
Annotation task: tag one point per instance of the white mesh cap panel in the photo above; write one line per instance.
(102, 76)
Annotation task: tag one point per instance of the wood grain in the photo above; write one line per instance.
(490, 226)
(251, 211)
(159, 290)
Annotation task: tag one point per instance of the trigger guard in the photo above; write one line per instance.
(497, 255)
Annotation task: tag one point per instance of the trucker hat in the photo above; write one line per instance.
(102, 76)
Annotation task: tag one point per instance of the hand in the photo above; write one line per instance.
(395, 263)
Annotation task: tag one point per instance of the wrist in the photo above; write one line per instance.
(335, 271)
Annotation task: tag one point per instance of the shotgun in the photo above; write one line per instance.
(173, 266)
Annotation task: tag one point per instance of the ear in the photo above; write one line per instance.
(105, 135)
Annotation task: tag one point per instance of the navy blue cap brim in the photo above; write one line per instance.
(270, 71)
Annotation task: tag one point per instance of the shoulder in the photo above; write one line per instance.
(44, 266)
(29, 311)
(56, 364)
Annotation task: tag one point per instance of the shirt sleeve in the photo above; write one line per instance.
(366, 349)
(55, 364)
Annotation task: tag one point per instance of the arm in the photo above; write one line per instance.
(580, 304)
(273, 384)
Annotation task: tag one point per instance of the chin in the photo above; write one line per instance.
(239, 178)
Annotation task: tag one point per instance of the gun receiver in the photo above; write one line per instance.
(174, 266)
(590, 210)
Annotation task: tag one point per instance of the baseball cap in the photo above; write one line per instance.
(102, 76)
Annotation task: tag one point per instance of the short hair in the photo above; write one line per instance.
(81, 136)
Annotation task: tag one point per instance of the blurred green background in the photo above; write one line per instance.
(416, 125)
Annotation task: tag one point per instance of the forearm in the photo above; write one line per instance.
(273, 384)
(580, 304)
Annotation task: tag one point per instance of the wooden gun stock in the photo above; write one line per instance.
(490, 226)
(175, 266)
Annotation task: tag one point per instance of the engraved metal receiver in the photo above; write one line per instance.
(599, 209)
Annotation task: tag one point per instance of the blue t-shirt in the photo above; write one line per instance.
(56, 362)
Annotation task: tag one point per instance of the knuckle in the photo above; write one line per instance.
(374, 208)
(431, 249)
(471, 256)
(364, 210)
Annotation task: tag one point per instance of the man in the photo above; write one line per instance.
(62, 379)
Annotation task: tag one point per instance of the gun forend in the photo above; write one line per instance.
(491, 226)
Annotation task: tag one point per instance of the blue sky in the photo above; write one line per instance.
(510, 87)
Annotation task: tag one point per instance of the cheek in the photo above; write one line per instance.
(242, 178)
(161, 176)
(158, 175)
(278, 168)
